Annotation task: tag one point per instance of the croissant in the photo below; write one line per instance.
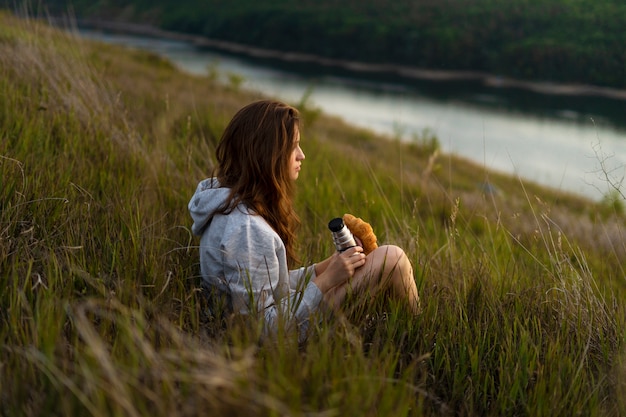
(362, 230)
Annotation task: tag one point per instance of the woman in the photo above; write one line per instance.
(247, 224)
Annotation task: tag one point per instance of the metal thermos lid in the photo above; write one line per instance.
(336, 224)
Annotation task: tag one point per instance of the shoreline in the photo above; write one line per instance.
(488, 80)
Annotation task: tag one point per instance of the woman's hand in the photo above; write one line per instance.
(340, 269)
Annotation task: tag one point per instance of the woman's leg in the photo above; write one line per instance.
(387, 267)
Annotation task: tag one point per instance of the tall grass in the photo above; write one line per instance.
(100, 150)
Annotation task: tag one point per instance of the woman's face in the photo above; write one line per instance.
(295, 161)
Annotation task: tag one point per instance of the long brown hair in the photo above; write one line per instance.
(253, 161)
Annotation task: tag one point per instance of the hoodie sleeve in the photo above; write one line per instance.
(298, 277)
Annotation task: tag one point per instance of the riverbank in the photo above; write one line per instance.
(502, 129)
(489, 80)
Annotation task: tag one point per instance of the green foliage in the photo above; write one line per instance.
(235, 81)
(612, 204)
(554, 40)
(100, 312)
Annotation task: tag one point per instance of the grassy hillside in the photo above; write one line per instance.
(566, 41)
(100, 151)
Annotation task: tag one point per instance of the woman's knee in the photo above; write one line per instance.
(391, 256)
(395, 271)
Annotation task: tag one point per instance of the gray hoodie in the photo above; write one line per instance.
(242, 255)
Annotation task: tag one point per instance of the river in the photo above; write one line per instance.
(564, 142)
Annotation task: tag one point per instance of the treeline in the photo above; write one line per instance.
(572, 41)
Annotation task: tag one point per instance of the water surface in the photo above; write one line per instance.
(559, 141)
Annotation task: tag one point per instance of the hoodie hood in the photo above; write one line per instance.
(205, 201)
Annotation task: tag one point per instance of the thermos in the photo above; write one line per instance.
(342, 237)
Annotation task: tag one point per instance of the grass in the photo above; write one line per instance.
(100, 151)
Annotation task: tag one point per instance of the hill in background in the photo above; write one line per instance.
(559, 41)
